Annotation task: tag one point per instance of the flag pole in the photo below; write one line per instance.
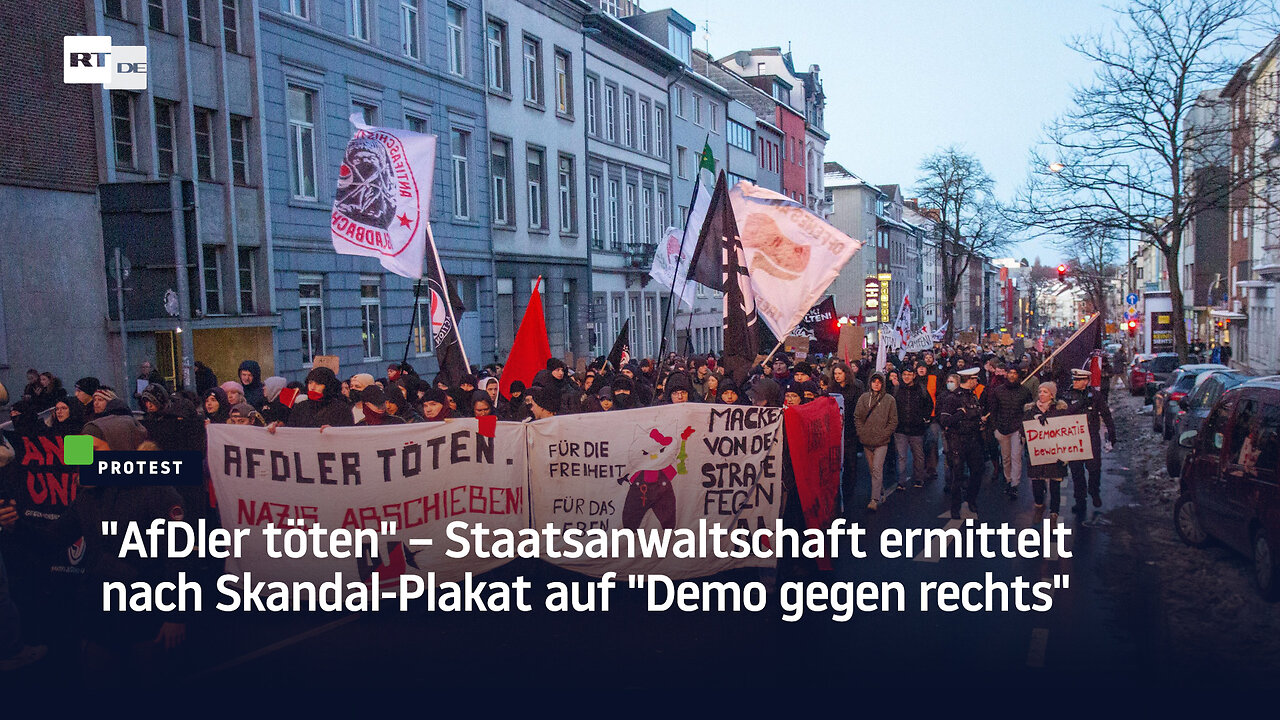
(413, 317)
(444, 288)
(675, 306)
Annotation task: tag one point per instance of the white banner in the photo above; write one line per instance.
(1065, 438)
(383, 199)
(792, 254)
(666, 256)
(919, 342)
(656, 469)
(421, 477)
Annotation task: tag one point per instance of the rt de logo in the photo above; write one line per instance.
(90, 59)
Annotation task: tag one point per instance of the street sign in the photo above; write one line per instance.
(1131, 299)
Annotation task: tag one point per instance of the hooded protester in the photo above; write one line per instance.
(272, 407)
(515, 408)
(324, 405)
(876, 417)
(373, 400)
(546, 403)
(154, 400)
(603, 400)
(216, 406)
(728, 393)
(120, 432)
(205, 378)
(67, 418)
(623, 393)
(435, 406)
(766, 392)
(251, 380)
(490, 386)
(26, 421)
(399, 406)
(481, 404)
(678, 388)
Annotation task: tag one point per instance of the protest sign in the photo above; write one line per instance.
(815, 437)
(42, 487)
(821, 326)
(329, 361)
(1062, 438)
(919, 342)
(420, 476)
(655, 469)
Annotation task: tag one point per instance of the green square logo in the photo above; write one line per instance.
(77, 450)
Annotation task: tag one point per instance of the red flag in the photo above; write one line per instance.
(531, 349)
(814, 433)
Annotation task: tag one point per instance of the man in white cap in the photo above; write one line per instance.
(960, 414)
(1080, 398)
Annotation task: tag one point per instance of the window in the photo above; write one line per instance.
(568, 198)
(613, 215)
(311, 317)
(496, 45)
(780, 92)
(564, 84)
(697, 109)
(367, 112)
(302, 142)
(682, 159)
(532, 50)
(591, 105)
(244, 266)
(114, 8)
(240, 150)
(677, 101)
(155, 14)
(458, 140)
(456, 20)
(500, 168)
(212, 280)
(204, 144)
(370, 318)
(298, 8)
(122, 128)
(715, 116)
(359, 16)
(662, 210)
(536, 173)
(628, 120)
(633, 234)
(644, 125)
(609, 112)
(164, 138)
(679, 42)
(416, 124)
(195, 20)
(409, 31)
(660, 131)
(593, 192)
(231, 25)
(739, 136)
(646, 215)
(422, 327)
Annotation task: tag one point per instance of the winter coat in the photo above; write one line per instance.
(1006, 403)
(876, 417)
(915, 408)
(253, 392)
(1056, 470)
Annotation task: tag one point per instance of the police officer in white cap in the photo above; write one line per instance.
(960, 414)
(1080, 398)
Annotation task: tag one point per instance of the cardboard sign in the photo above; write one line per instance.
(966, 338)
(796, 344)
(1063, 438)
(851, 340)
(329, 361)
(1006, 339)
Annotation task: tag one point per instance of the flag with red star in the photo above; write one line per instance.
(383, 198)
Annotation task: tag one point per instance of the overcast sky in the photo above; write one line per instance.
(905, 79)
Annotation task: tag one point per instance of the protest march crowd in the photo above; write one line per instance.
(967, 403)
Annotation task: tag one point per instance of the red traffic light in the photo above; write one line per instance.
(1133, 327)
(1062, 273)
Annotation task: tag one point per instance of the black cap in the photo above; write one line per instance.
(88, 385)
(373, 395)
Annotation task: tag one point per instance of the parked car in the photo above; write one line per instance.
(1193, 409)
(1182, 382)
(1230, 485)
(1138, 373)
(1159, 373)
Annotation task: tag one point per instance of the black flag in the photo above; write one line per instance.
(1074, 353)
(450, 354)
(621, 353)
(720, 263)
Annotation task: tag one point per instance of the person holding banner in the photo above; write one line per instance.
(1052, 474)
(1080, 398)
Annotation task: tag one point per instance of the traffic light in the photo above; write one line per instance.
(1133, 327)
(1062, 273)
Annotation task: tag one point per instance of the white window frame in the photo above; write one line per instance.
(461, 165)
(370, 305)
(628, 120)
(421, 330)
(501, 183)
(697, 109)
(565, 176)
(456, 37)
(360, 20)
(164, 120)
(660, 130)
(563, 62)
(591, 106)
(410, 30)
(195, 20)
(245, 265)
(202, 121)
(211, 273)
(296, 8)
(304, 317)
(682, 157)
(302, 134)
(614, 240)
(593, 191)
(646, 214)
(662, 210)
(610, 113)
(496, 54)
(644, 109)
(233, 44)
(130, 163)
(630, 208)
(240, 140)
(164, 14)
(536, 184)
(531, 62)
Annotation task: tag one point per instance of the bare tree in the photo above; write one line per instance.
(970, 225)
(1121, 160)
(1091, 256)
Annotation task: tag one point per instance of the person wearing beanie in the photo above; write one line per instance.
(154, 400)
(373, 400)
(513, 409)
(216, 407)
(802, 372)
(435, 405)
(85, 387)
(604, 398)
(101, 397)
(115, 432)
(678, 388)
(251, 380)
(360, 381)
(727, 392)
(546, 403)
(399, 406)
(234, 391)
(324, 406)
(766, 393)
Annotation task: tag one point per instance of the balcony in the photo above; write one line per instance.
(639, 255)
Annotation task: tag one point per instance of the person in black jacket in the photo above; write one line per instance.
(1080, 398)
(251, 379)
(324, 406)
(915, 413)
(846, 383)
(1005, 402)
(960, 414)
